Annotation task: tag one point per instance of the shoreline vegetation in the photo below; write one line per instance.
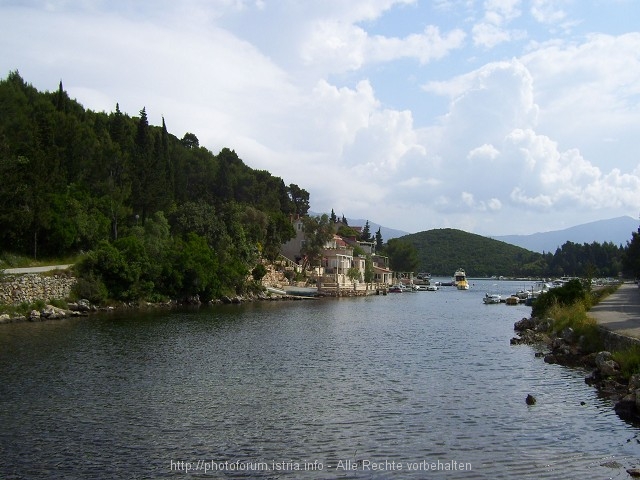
(564, 334)
(40, 309)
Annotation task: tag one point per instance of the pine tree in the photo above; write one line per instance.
(379, 242)
(365, 236)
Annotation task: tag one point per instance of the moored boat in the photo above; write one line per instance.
(491, 298)
(512, 300)
(460, 280)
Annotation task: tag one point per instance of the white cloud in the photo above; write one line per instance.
(548, 11)
(339, 46)
(315, 92)
(484, 151)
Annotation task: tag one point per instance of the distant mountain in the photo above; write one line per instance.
(616, 230)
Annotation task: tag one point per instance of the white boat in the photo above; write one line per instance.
(491, 298)
(400, 288)
(460, 280)
(432, 288)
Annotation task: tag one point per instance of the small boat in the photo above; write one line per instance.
(522, 294)
(512, 300)
(302, 291)
(460, 280)
(431, 288)
(277, 291)
(491, 298)
(396, 288)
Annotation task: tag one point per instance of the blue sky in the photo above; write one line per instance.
(495, 117)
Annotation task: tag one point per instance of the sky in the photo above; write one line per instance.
(495, 117)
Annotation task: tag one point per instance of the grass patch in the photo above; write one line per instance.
(11, 260)
(628, 359)
(575, 316)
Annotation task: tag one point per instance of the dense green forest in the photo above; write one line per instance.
(442, 251)
(160, 216)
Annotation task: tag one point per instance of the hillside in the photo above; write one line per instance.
(442, 251)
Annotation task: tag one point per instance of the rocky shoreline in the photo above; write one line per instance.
(83, 307)
(567, 349)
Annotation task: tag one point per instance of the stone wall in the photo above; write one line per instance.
(615, 341)
(30, 287)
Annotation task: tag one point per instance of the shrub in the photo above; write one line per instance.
(58, 303)
(574, 316)
(570, 293)
(258, 272)
(91, 288)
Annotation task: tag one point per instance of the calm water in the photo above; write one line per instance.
(335, 388)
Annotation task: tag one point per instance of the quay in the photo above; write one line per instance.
(618, 315)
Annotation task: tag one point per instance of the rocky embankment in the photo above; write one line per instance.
(34, 287)
(31, 288)
(50, 312)
(566, 348)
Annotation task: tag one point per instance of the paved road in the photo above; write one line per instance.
(620, 311)
(36, 269)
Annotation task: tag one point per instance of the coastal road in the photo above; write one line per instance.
(620, 311)
(36, 269)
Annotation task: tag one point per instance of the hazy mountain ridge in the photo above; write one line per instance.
(386, 232)
(615, 230)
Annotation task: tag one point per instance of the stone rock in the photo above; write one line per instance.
(634, 382)
(567, 334)
(4, 318)
(34, 316)
(530, 400)
(609, 367)
(544, 325)
(605, 364)
(83, 305)
(634, 472)
(626, 408)
(524, 324)
(558, 343)
(53, 313)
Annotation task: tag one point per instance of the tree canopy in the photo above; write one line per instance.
(74, 179)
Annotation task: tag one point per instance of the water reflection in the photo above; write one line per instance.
(424, 377)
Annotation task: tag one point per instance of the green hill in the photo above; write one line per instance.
(442, 251)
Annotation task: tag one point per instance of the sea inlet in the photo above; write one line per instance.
(410, 385)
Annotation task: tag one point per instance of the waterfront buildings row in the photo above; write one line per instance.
(340, 267)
